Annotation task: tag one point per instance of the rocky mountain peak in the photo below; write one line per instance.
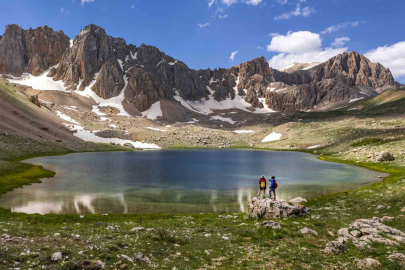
(33, 50)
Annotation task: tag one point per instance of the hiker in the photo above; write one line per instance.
(273, 186)
(262, 186)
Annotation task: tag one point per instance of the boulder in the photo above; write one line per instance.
(335, 247)
(297, 200)
(35, 100)
(367, 263)
(268, 208)
(305, 231)
(56, 257)
(269, 224)
(385, 156)
(399, 257)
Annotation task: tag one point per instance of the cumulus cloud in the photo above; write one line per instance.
(210, 3)
(337, 27)
(233, 55)
(202, 25)
(305, 12)
(339, 42)
(295, 42)
(301, 47)
(87, 1)
(392, 57)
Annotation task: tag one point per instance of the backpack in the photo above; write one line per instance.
(262, 184)
(275, 184)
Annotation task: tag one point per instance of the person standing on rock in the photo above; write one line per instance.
(262, 186)
(273, 186)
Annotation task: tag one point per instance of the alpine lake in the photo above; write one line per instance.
(177, 181)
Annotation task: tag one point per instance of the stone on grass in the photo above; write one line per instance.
(380, 207)
(297, 200)
(269, 224)
(385, 156)
(139, 257)
(387, 219)
(137, 229)
(367, 263)
(403, 209)
(56, 257)
(400, 257)
(307, 231)
(335, 247)
(127, 258)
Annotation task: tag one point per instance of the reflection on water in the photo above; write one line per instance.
(177, 181)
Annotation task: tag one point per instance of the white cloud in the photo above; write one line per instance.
(223, 16)
(252, 2)
(339, 42)
(233, 55)
(283, 2)
(210, 3)
(283, 59)
(301, 47)
(305, 12)
(133, 6)
(62, 9)
(87, 1)
(259, 47)
(202, 25)
(229, 2)
(392, 57)
(296, 42)
(273, 34)
(249, 2)
(339, 26)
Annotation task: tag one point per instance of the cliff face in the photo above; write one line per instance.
(144, 74)
(33, 50)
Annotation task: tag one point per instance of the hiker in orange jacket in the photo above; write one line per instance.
(262, 186)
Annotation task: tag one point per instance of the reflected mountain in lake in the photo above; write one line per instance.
(177, 181)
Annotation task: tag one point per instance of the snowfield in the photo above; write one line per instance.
(156, 129)
(243, 131)
(66, 117)
(154, 111)
(274, 136)
(355, 99)
(89, 136)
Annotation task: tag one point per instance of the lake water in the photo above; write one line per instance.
(177, 181)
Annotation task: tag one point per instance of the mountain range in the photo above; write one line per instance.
(136, 79)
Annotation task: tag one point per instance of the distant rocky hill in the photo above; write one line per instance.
(143, 75)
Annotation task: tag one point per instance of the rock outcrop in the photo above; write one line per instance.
(366, 231)
(32, 51)
(268, 208)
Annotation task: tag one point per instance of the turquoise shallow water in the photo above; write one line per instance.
(177, 181)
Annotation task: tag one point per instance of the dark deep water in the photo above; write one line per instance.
(177, 181)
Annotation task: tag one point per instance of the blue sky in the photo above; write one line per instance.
(205, 33)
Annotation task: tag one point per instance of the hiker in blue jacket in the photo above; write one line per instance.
(273, 186)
